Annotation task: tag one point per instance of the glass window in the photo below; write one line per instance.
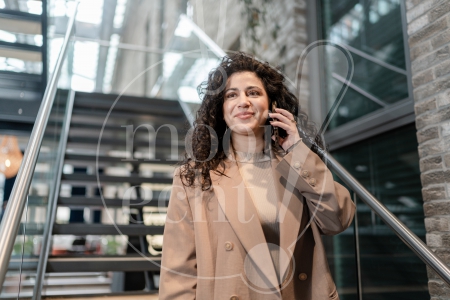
(372, 31)
(388, 166)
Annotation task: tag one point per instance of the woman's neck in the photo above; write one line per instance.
(249, 144)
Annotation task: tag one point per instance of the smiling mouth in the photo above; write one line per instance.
(244, 115)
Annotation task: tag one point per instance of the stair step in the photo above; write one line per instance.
(17, 263)
(162, 153)
(14, 80)
(134, 203)
(20, 46)
(122, 105)
(88, 290)
(100, 229)
(122, 142)
(19, 15)
(149, 296)
(93, 125)
(15, 128)
(55, 282)
(20, 51)
(19, 95)
(20, 23)
(126, 115)
(114, 159)
(81, 96)
(99, 264)
(118, 132)
(82, 118)
(132, 179)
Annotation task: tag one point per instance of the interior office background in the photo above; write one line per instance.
(390, 130)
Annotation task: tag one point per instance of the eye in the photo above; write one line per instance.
(254, 93)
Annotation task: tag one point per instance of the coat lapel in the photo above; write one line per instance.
(245, 222)
(238, 207)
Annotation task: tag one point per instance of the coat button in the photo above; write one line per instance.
(234, 297)
(305, 173)
(296, 165)
(302, 276)
(228, 246)
(312, 182)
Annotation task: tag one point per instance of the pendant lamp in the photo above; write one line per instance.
(10, 156)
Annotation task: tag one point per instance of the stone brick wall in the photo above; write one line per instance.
(429, 41)
(283, 37)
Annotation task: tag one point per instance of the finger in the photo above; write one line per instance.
(290, 126)
(285, 112)
(289, 117)
(282, 125)
(280, 117)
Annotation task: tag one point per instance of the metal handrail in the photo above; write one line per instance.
(402, 231)
(14, 210)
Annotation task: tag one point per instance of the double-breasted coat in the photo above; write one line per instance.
(214, 246)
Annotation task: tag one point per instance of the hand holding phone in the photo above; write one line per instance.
(285, 130)
(278, 132)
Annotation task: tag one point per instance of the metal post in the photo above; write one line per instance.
(53, 201)
(357, 253)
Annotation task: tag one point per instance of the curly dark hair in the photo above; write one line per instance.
(210, 113)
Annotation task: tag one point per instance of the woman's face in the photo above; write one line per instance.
(246, 104)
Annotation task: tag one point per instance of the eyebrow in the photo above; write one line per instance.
(231, 89)
(253, 87)
(247, 88)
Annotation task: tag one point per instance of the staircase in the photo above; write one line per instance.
(23, 74)
(58, 283)
(90, 233)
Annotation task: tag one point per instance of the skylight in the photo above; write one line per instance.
(90, 11)
(120, 13)
(34, 7)
(196, 75)
(7, 36)
(184, 28)
(110, 63)
(170, 62)
(85, 60)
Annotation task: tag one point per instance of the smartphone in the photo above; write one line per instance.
(277, 131)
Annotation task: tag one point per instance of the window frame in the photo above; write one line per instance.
(374, 123)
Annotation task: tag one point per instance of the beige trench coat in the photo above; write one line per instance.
(214, 246)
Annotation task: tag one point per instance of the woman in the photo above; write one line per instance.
(249, 203)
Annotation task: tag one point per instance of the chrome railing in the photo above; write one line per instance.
(401, 230)
(13, 214)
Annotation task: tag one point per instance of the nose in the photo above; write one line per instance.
(244, 101)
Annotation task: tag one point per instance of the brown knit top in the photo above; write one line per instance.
(257, 171)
